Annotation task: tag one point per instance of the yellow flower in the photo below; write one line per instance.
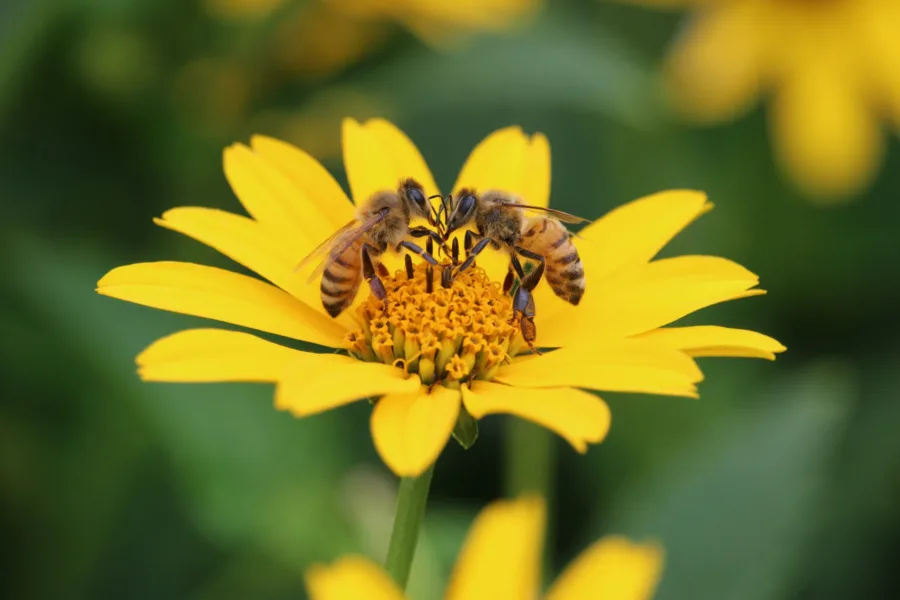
(429, 351)
(831, 66)
(501, 559)
(430, 19)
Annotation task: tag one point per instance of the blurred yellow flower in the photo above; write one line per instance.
(832, 67)
(434, 21)
(501, 559)
(430, 351)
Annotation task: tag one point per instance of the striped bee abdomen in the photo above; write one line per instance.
(563, 268)
(341, 279)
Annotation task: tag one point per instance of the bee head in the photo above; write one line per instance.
(462, 210)
(414, 196)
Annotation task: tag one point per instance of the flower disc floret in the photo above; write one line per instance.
(445, 335)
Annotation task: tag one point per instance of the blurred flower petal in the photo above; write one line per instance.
(613, 568)
(826, 137)
(351, 578)
(501, 557)
(716, 68)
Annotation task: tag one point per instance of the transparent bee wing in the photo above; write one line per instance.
(324, 246)
(562, 216)
(339, 241)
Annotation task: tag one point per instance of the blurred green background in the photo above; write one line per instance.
(783, 481)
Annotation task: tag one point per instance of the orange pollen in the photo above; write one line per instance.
(447, 336)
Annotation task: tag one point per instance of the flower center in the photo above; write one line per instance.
(446, 335)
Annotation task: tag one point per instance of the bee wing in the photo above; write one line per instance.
(324, 246)
(339, 241)
(562, 216)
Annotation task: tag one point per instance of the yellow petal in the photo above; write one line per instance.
(674, 3)
(633, 233)
(629, 235)
(410, 430)
(273, 200)
(247, 242)
(221, 295)
(826, 138)
(646, 297)
(405, 158)
(717, 67)
(501, 557)
(378, 156)
(497, 162)
(613, 568)
(879, 22)
(368, 169)
(314, 383)
(627, 365)
(205, 355)
(578, 417)
(716, 341)
(306, 173)
(351, 578)
(535, 188)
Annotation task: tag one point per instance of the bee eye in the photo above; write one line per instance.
(415, 194)
(466, 204)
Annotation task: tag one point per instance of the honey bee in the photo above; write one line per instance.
(351, 253)
(502, 222)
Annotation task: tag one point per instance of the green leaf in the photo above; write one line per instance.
(466, 429)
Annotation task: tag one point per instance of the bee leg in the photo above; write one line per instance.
(454, 251)
(369, 272)
(446, 277)
(509, 280)
(415, 249)
(469, 242)
(531, 280)
(523, 306)
(473, 253)
(420, 231)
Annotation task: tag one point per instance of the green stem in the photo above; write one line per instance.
(530, 454)
(530, 466)
(411, 502)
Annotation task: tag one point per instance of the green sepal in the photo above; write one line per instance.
(466, 429)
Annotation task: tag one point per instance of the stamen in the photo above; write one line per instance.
(445, 335)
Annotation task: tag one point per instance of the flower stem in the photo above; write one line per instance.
(411, 502)
(530, 455)
(530, 468)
